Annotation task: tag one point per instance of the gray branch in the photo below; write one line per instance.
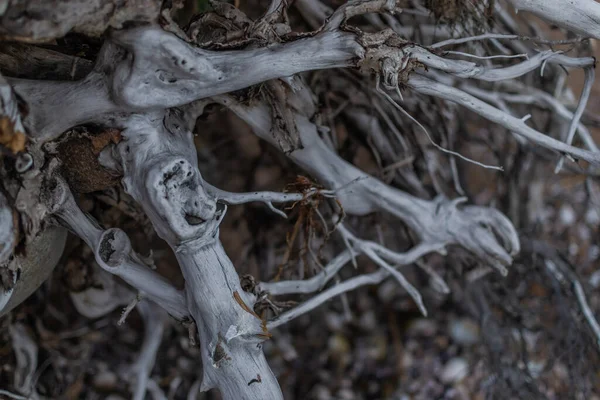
(580, 16)
(163, 177)
(436, 222)
(113, 252)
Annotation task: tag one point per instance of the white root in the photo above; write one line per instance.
(129, 308)
(353, 8)
(154, 325)
(142, 73)
(467, 69)
(100, 299)
(8, 240)
(432, 88)
(530, 96)
(348, 285)
(585, 95)
(357, 247)
(229, 330)
(167, 72)
(580, 16)
(113, 252)
(569, 277)
(151, 82)
(26, 353)
(437, 222)
(313, 284)
(11, 395)
(268, 198)
(163, 177)
(382, 256)
(587, 311)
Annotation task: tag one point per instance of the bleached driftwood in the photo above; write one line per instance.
(167, 72)
(163, 177)
(580, 16)
(435, 222)
(146, 82)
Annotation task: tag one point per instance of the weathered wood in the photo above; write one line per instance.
(40, 21)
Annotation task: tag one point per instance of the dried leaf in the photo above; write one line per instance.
(103, 139)
(10, 138)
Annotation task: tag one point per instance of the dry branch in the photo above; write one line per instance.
(152, 85)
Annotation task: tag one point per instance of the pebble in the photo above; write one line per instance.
(346, 394)
(321, 392)
(592, 217)
(464, 331)
(377, 348)
(335, 322)
(567, 215)
(368, 321)
(454, 371)
(595, 279)
(105, 380)
(423, 327)
(536, 367)
(338, 345)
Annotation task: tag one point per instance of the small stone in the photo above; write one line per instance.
(334, 322)
(454, 371)
(536, 367)
(592, 217)
(184, 364)
(105, 381)
(423, 327)
(464, 331)
(340, 350)
(338, 345)
(368, 321)
(595, 279)
(345, 394)
(407, 360)
(573, 249)
(288, 352)
(567, 215)
(442, 341)
(321, 392)
(378, 348)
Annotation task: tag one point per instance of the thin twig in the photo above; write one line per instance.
(13, 395)
(590, 74)
(487, 36)
(437, 146)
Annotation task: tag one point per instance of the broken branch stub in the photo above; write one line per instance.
(113, 252)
